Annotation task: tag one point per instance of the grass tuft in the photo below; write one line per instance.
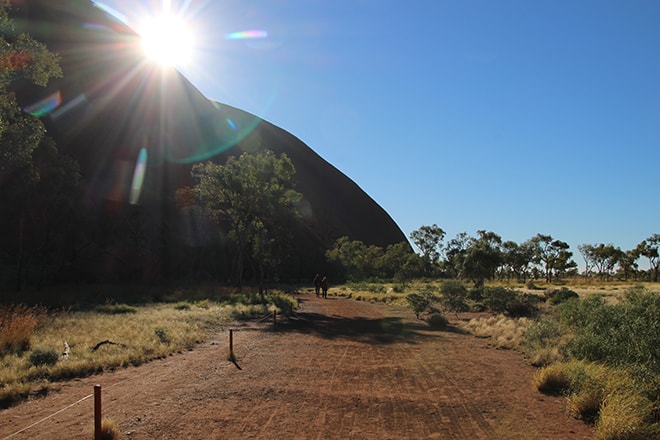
(17, 325)
(109, 430)
(505, 332)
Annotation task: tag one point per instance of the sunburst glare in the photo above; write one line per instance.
(167, 39)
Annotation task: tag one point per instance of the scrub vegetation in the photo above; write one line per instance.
(40, 346)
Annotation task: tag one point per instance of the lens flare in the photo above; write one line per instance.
(138, 176)
(45, 106)
(246, 35)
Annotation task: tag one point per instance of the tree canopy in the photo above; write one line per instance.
(253, 200)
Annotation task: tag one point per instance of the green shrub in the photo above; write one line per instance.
(454, 296)
(182, 305)
(162, 336)
(43, 356)
(399, 288)
(531, 286)
(419, 303)
(510, 302)
(624, 334)
(476, 294)
(558, 296)
(284, 303)
(436, 320)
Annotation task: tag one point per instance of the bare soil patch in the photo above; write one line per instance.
(338, 369)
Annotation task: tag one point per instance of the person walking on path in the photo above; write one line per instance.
(317, 285)
(324, 286)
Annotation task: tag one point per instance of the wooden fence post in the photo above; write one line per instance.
(231, 345)
(98, 413)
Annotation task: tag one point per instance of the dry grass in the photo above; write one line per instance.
(605, 396)
(17, 324)
(359, 293)
(626, 416)
(504, 332)
(109, 430)
(554, 379)
(154, 331)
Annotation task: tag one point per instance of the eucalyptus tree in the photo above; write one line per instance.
(649, 249)
(455, 254)
(482, 257)
(628, 264)
(400, 262)
(553, 256)
(516, 259)
(253, 200)
(602, 257)
(428, 239)
(35, 179)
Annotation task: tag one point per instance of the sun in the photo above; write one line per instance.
(167, 40)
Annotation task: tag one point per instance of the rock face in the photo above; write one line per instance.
(115, 113)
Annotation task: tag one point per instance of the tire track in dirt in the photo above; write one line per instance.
(338, 369)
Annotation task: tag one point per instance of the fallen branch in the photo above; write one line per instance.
(107, 341)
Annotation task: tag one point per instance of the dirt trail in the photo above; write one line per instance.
(339, 369)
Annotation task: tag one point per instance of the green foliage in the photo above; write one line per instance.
(558, 296)
(623, 334)
(428, 240)
(420, 303)
(399, 288)
(38, 183)
(43, 356)
(162, 336)
(437, 320)
(284, 303)
(252, 198)
(531, 285)
(503, 300)
(454, 296)
(183, 305)
(361, 262)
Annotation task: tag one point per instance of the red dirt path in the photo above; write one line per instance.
(338, 369)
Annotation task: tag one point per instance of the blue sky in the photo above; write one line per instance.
(517, 117)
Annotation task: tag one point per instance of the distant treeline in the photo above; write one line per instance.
(487, 257)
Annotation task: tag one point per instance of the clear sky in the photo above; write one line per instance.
(514, 116)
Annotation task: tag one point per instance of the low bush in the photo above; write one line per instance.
(503, 300)
(436, 320)
(420, 303)
(558, 296)
(454, 296)
(624, 334)
(43, 356)
(544, 342)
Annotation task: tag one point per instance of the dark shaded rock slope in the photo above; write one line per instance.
(111, 104)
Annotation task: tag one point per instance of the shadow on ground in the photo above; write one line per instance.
(369, 330)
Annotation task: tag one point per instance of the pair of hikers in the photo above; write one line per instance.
(321, 285)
